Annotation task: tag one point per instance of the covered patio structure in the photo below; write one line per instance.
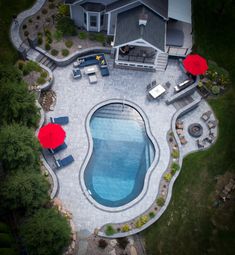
(139, 38)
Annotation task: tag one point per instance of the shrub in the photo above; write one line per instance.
(40, 41)
(123, 242)
(47, 32)
(141, 221)
(174, 168)
(68, 43)
(102, 243)
(48, 19)
(92, 36)
(175, 153)
(38, 17)
(47, 46)
(63, 10)
(49, 39)
(24, 26)
(160, 201)
(82, 35)
(43, 74)
(215, 90)
(20, 64)
(41, 80)
(51, 6)
(26, 33)
(125, 228)
(100, 37)
(44, 11)
(109, 231)
(54, 52)
(65, 52)
(152, 215)
(31, 66)
(39, 34)
(66, 26)
(167, 177)
(58, 35)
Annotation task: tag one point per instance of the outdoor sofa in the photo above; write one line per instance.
(58, 149)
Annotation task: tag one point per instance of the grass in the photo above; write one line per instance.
(189, 225)
(8, 54)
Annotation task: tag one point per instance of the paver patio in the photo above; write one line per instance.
(76, 98)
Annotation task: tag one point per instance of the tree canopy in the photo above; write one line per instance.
(24, 189)
(18, 147)
(47, 232)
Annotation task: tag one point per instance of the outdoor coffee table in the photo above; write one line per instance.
(92, 78)
(157, 91)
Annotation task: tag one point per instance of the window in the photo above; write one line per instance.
(93, 21)
(85, 20)
(102, 20)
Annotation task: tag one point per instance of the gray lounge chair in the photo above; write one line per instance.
(206, 116)
(200, 144)
(60, 120)
(212, 124)
(64, 162)
(57, 149)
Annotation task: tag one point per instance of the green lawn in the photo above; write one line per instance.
(7, 9)
(186, 226)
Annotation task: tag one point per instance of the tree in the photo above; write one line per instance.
(17, 104)
(9, 73)
(18, 147)
(66, 26)
(24, 189)
(47, 232)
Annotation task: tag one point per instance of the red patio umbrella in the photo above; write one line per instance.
(195, 64)
(51, 136)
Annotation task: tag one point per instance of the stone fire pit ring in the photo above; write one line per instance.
(195, 129)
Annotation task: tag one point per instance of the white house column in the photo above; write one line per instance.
(109, 18)
(87, 21)
(98, 21)
(70, 10)
(117, 54)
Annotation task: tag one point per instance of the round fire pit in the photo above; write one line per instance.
(195, 130)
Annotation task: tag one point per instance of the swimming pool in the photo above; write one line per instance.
(122, 153)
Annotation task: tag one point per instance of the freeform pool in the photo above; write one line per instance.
(122, 153)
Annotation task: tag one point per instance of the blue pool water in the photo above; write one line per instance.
(122, 154)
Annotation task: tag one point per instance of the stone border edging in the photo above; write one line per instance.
(89, 153)
(15, 28)
(72, 57)
(171, 184)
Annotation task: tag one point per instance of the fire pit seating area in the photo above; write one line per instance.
(96, 59)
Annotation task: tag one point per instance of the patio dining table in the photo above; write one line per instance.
(156, 91)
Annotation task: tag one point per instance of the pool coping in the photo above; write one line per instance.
(149, 172)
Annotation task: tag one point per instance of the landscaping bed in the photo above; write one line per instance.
(56, 33)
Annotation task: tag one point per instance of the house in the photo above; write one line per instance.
(145, 32)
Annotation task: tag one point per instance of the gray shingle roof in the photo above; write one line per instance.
(153, 32)
(93, 7)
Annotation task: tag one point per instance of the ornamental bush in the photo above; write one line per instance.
(167, 177)
(109, 231)
(58, 35)
(175, 153)
(82, 35)
(66, 26)
(141, 221)
(160, 201)
(41, 80)
(65, 52)
(175, 167)
(152, 215)
(215, 90)
(47, 46)
(47, 232)
(54, 52)
(125, 228)
(68, 43)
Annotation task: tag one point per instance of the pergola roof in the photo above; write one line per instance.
(153, 32)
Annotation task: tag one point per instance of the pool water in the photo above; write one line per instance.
(122, 154)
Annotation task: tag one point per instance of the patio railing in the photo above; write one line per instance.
(138, 59)
(178, 51)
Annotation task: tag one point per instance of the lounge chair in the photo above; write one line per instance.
(60, 120)
(64, 162)
(206, 115)
(57, 149)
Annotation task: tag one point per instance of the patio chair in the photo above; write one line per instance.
(64, 162)
(211, 124)
(200, 144)
(77, 73)
(57, 149)
(60, 120)
(206, 116)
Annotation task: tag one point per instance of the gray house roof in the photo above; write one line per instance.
(93, 7)
(153, 32)
(158, 6)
